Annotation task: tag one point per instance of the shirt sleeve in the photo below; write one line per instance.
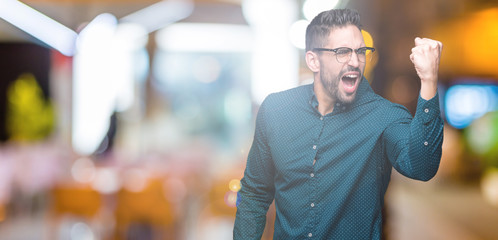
(414, 146)
(257, 185)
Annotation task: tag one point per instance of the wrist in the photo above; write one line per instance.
(428, 89)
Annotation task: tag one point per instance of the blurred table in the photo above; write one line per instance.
(430, 211)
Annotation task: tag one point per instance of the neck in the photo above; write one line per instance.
(325, 102)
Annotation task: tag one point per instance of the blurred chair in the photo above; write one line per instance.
(73, 202)
(145, 214)
(78, 200)
(220, 209)
(217, 202)
(2, 212)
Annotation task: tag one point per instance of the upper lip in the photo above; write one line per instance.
(352, 73)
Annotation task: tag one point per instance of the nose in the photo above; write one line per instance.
(354, 61)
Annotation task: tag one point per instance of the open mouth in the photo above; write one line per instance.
(349, 81)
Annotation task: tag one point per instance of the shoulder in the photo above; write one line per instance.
(383, 108)
(290, 97)
(388, 105)
(394, 112)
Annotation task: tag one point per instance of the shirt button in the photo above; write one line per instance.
(310, 235)
(312, 205)
(426, 143)
(426, 110)
(314, 146)
(321, 118)
(312, 175)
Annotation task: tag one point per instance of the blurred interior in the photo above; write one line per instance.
(132, 119)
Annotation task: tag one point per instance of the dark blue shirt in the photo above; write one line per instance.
(328, 174)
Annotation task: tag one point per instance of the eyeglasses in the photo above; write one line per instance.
(343, 54)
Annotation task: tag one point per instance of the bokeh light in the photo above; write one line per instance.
(297, 33)
(134, 179)
(237, 107)
(369, 67)
(489, 186)
(311, 8)
(94, 84)
(206, 69)
(83, 170)
(234, 185)
(81, 231)
(466, 102)
(482, 137)
(106, 180)
(231, 198)
(469, 46)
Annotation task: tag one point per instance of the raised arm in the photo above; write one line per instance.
(426, 56)
(414, 146)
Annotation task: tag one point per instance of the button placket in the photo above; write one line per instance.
(312, 197)
(313, 178)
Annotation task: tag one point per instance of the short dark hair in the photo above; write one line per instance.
(319, 29)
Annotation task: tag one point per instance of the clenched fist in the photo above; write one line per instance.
(425, 57)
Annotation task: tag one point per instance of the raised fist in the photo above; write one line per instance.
(425, 56)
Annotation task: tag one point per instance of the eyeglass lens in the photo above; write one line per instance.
(344, 54)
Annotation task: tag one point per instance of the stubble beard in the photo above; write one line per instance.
(331, 85)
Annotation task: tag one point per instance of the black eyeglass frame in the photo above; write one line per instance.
(349, 49)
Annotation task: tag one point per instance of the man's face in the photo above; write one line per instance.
(341, 80)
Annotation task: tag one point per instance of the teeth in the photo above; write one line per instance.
(351, 76)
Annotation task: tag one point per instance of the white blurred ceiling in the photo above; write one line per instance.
(75, 13)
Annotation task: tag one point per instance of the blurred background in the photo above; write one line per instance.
(132, 119)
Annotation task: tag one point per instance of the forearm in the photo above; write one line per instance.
(414, 148)
(426, 139)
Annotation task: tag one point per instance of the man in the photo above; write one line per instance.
(324, 152)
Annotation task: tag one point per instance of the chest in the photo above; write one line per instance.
(346, 140)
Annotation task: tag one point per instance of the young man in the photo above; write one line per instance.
(324, 152)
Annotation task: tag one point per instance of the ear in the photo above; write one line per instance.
(312, 61)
